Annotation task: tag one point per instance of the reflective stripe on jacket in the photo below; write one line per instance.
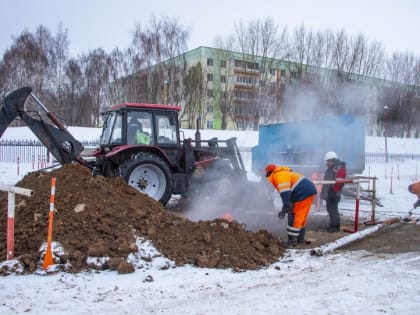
(292, 186)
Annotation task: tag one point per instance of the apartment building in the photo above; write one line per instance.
(238, 89)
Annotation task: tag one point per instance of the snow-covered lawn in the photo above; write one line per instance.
(337, 283)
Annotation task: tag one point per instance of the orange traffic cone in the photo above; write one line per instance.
(48, 258)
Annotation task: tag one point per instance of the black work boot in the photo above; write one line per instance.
(333, 229)
(291, 241)
(301, 237)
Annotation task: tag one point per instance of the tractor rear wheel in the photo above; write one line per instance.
(150, 175)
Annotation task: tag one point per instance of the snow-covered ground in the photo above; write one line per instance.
(336, 283)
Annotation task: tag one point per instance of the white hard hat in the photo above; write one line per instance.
(330, 155)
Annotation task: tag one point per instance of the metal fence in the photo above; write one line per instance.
(373, 157)
(30, 151)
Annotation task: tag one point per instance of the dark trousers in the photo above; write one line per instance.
(332, 209)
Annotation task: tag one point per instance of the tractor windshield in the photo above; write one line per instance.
(112, 129)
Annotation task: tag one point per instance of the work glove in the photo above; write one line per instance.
(284, 210)
(281, 214)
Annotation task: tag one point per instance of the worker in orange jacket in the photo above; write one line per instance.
(297, 194)
(414, 188)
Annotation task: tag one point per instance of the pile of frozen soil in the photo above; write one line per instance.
(102, 217)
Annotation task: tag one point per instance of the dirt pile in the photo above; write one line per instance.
(101, 217)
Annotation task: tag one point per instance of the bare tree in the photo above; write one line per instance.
(227, 80)
(96, 71)
(73, 92)
(158, 45)
(25, 64)
(194, 95)
(58, 60)
(403, 116)
(261, 45)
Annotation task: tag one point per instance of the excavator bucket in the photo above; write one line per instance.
(62, 145)
(13, 104)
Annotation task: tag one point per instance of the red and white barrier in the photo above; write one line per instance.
(12, 190)
(349, 181)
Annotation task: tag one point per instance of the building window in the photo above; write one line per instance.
(209, 77)
(272, 71)
(209, 124)
(246, 64)
(223, 78)
(210, 108)
(210, 93)
(223, 63)
(246, 80)
(209, 61)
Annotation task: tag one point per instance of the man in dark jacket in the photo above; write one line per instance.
(331, 193)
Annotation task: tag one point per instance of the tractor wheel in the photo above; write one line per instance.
(150, 175)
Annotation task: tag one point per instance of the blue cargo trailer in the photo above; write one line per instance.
(302, 145)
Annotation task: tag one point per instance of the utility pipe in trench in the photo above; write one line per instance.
(327, 248)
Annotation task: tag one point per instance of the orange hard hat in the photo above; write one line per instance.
(269, 168)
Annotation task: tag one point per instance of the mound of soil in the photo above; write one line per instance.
(101, 217)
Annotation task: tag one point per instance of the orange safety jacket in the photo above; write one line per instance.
(292, 186)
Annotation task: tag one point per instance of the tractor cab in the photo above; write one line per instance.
(140, 124)
(136, 128)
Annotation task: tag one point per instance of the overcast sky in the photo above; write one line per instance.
(106, 23)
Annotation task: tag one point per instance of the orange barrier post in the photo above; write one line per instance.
(48, 259)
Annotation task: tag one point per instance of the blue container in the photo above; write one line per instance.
(302, 145)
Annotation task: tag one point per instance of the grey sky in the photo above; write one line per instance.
(107, 23)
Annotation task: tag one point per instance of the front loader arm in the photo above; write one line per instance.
(62, 145)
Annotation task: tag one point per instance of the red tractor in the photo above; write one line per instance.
(143, 144)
